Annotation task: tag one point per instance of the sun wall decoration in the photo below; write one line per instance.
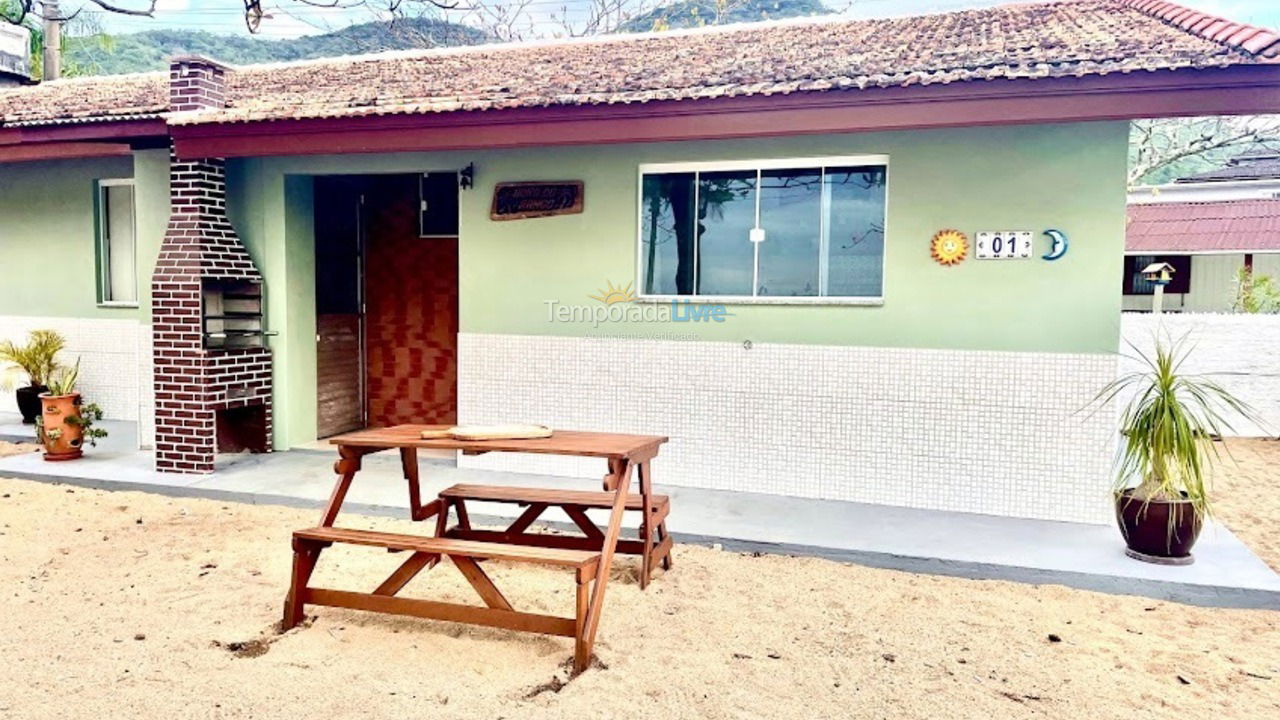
(949, 247)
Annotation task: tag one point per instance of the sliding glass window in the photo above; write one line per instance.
(768, 230)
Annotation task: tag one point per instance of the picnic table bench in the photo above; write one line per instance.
(589, 557)
(653, 547)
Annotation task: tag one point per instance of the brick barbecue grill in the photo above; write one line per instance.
(212, 368)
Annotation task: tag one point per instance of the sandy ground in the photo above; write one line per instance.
(132, 605)
(1246, 488)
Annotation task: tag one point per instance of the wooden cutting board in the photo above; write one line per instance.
(489, 432)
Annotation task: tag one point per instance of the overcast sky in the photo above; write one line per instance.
(291, 18)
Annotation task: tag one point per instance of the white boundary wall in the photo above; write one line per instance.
(983, 432)
(113, 355)
(1240, 352)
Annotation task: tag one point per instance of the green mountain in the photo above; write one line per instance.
(151, 49)
(697, 13)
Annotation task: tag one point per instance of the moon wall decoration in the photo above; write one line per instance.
(1059, 247)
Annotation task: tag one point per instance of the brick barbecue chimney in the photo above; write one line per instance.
(212, 369)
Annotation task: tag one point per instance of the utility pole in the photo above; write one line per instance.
(52, 61)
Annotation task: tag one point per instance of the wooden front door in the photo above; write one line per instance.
(340, 382)
(411, 310)
(339, 387)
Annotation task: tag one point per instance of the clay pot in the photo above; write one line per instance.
(62, 440)
(1146, 529)
(29, 402)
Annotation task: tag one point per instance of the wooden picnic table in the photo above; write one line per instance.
(590, 557)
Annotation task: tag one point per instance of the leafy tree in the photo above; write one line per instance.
(1255, 293)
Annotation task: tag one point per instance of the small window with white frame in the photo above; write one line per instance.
(797, 230)
(117, 243)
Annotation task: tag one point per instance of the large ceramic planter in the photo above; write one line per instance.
(1158, 531)
(62, 440)
(29, 402)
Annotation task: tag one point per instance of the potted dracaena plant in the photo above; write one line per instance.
(1171, 428)
(36, 360)
(65, 422)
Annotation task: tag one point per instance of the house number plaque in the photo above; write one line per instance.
(1004, 245)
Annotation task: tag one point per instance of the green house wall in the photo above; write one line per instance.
(47, 224)
(1068, 177)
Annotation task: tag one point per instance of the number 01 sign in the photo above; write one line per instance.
(1003, 245)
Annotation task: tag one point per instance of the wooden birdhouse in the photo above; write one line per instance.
(1159, 273)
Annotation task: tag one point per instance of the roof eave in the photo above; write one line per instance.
(1233, 90)
(39, 152)
(133, 129)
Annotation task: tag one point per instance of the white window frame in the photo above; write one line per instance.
(788, 163)
(103, 249)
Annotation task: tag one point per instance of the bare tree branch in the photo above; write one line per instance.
(1160, 144)
(507, 21)
(148, 11)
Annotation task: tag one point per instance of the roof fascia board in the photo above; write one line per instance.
(28, 152)
(85, 132)
(1236, 90)
(1174, 193)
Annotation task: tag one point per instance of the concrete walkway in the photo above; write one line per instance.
(974, 546)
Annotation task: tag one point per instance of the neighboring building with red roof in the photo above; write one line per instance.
(1257, 165)
(1208, 226)
(724, 235)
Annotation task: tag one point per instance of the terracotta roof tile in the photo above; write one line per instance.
(88, 99)
(1240, 36)
(1213, 26)
(1030, 40)
(1203, 24)
(1033, 40)
(1197, 227)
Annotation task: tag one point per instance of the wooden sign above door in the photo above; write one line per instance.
(519, 200)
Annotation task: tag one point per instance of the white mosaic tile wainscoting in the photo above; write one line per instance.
(113, 354)
(983, 432)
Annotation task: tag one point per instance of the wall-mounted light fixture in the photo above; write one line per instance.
(467, 177)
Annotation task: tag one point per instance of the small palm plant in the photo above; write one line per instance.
(1169, 427)
(37, 359)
